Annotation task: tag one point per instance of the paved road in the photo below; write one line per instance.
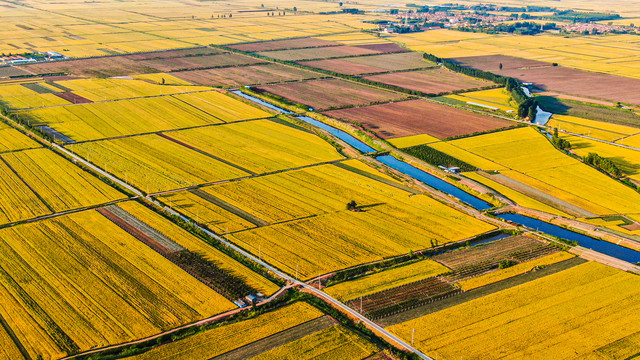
(267, 266)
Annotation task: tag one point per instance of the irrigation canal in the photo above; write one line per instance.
(601, 246)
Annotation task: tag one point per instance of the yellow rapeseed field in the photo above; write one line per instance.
(17, 96)
(551, 171)
(566, 315)
(118, 118)
(192, 243)
(223, 106)
(12, 140)
(412, 140)
(153, 163)
(211, 343)
(60, 184)
(336, 342)
(501, 274)
(386, 279)
(260, 146)
(79, 281)
(116, 89)
(517, 197)
(392, 222)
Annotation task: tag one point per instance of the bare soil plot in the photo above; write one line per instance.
(317, 53)
(372, 64)
(97, 67)
(283, 44)
(7, 71)
(73, 98)
(173, 54)
(561, 79)
(245, 75)
(431, 81)
(196, 62)
(383, 48)
(492, 63)
(325, 94)
(415, 117)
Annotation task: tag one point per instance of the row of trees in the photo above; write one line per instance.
(527, 106)
(437, 158)
(602, 163)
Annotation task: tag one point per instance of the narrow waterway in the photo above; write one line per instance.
(601, 246)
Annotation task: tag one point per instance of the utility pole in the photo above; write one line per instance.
(297, 271)
(413, 333)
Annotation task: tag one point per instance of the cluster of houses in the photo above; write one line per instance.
(35, 57)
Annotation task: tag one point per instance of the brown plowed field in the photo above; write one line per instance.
(433, 81)
(384, 48)
(73, 98)
(415, 117)
(173, 54)
(560, 79)
(196, 62)
(324, 94)
(317, 53)
(245, 75)
(283, 44)
(372, 64)
(96, 67)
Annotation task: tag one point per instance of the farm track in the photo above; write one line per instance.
(279, 339)
(190, 147)
(230, 208)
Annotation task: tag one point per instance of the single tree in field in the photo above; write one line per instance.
(500, 66)
(352, 205)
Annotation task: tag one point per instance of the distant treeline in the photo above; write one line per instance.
(527, 106)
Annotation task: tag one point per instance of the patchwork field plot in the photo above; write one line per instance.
(12, 140)
(283, 44)
(607, 114)
(326, 94)
(29, 95)
(135, 292)
(585, 310)
(259, 146)
(551, 171)
(154, 163)
(412, 140)
(387, 279)
(431, 81)
(317, 53)
(477, 260)
(561, 79)
(335, 342)
(515, 196)
(191, 243)
(54, 181)
(200, 62)
(372, 64)
(101, 67)
(488, 99)
(95, 121)
(221, 106)
(336, 238)
(402, 298)
(246, 75)
(219, 340)
(116, 89)
(592, 128)
(415, 117)
(162, 79)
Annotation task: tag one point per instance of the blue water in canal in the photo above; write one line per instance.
(261, 102)
(434, 182)
(362, 147)
(607, 248)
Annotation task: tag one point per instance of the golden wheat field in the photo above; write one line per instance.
(79, 281)
(585, 310)
(551, 171)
